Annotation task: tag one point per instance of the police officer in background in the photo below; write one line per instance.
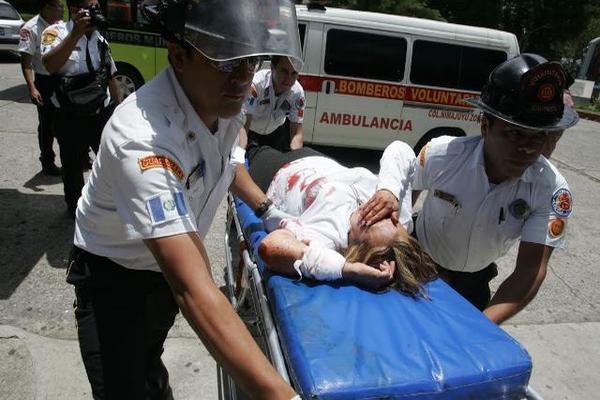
(274, 109)
(38, 80)
(71, 49)
(487, 192)
(166, 161)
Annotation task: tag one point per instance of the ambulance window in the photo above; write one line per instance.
(452, 66)
(365, 55)
(302, 30)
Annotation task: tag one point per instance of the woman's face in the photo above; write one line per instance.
(381, 233)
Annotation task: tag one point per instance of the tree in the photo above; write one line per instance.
(541, 26)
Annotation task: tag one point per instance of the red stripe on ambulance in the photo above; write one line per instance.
(413, 94)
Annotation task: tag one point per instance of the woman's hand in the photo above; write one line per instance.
(369, 277)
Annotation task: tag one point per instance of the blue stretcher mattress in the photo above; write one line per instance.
(342, 342)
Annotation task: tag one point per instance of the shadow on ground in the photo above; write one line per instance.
(32, 225)
(17, 93)
(9, 57)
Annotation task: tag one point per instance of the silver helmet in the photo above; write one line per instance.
(229, 29)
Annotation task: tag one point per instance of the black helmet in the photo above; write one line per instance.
(228, 29)
(527, 91)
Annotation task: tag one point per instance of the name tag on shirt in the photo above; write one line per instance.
(196, 174)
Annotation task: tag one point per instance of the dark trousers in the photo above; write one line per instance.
(46, 118)
(473, 286)
(123, 317)
(75, 134)
(279, 139)
(266, 161)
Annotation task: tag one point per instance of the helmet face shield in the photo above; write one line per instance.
(229, 29)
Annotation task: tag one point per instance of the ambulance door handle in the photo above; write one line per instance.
(328, 87)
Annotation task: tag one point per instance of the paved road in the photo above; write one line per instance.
(560, 328)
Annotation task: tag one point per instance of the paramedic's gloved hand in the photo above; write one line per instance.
(369, 277)
(380, 206)
(272, 218)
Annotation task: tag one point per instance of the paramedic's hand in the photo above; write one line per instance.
(36, 97)
(272, 218)
(81, 22)
(380, 206)
(369, 277)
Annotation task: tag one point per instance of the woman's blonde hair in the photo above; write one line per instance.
(414, 267)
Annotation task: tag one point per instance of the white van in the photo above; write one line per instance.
(372, 78)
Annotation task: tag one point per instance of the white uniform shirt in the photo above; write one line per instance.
(269, 111)
(31, 40)
(466, 223)
(76, 63)
(159, 172)
(323, 195)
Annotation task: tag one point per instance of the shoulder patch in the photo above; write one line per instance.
(562, 202)
(49, 36)
(300, 103)
(24, 34)
(422, 155)
(253, 91)
(156, 161)
(166, 206)
(556, 227)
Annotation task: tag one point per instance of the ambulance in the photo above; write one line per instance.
(369, 78)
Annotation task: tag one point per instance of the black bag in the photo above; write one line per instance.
(85, 94)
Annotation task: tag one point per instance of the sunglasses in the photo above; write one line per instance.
(251, 64)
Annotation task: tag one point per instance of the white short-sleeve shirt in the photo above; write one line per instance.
(31, 40)
(323, 194)
(76, 64)
(269, 111)
(466, 223)
(159, 172)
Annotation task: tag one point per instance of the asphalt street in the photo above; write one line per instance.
(38, 345)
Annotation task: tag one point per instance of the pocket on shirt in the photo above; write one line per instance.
(512, 227)
(195, 191)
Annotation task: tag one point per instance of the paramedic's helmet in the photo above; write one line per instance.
(225, 30)
(527, 91)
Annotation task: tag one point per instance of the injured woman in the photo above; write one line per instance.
(323, 238)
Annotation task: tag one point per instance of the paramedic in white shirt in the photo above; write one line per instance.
(485, 193)
(274, 109)
(165, 164)
(74, 48)
(322, 238)
(38, 80)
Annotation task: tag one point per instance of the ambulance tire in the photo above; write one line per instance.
(128, 78)
(437, 132)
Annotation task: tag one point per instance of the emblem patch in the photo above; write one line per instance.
(49, 36)
(24, 33)
(556, 226)
(300, 103)
(519, 209)
(562, 203)
(166, 207)
(300, 113)
(546, 92)
(155, 161)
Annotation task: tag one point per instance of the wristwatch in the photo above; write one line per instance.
(263, 207)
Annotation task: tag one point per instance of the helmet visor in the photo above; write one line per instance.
(229, 29)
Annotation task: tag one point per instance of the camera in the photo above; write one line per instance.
(97, 18)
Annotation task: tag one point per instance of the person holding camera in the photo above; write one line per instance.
(85, 91)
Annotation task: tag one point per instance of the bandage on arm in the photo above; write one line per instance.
(320, 263)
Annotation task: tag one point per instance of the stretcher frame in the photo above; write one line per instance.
(251, 303)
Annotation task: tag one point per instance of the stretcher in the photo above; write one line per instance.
(334, 341)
